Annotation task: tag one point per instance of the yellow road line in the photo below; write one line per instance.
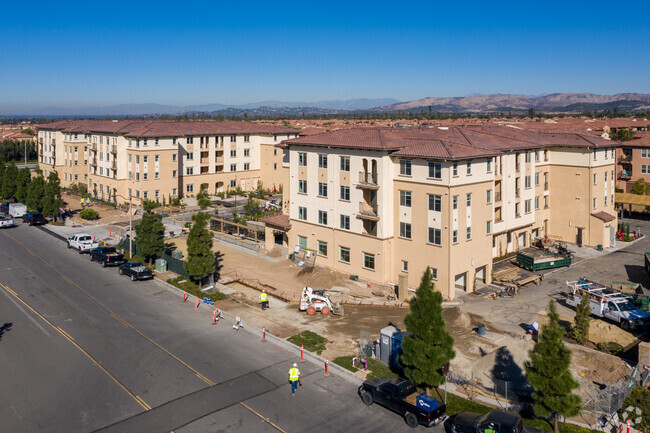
(71, 340)
(262, 417)
(124, 322)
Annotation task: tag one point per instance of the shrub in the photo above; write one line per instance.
(611, 348)
(639, 398)
(89, 214)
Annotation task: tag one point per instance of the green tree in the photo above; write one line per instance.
(23, 180)
(252, 207)
(150, 232)
(35, 193)
(200, 258)
(202, 198)
(580, 331)
(427, 345)
(639, 187)
(622, 134)
(9, 181)
(548, 372)
(52, 202)
(3, 164)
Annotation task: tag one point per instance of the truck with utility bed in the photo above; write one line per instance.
(107, 256)
(402, 397)
(82, 242)
(135, 270)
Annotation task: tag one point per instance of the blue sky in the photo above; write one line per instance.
(72, 53)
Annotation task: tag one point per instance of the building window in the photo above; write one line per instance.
(405, 266)
(435, 170)
(405, 230)
(344, 254)
(469, 167)
(189, 170)
(190, 140)
(322, 248)
(345, 222)
(528, 156)
(174, 192)
(435, 202)
(145, 159)
(536, 179)
(434, 236)
(527, 182)
(369, 261)
(595, 177)
(454, 202)
(156, 193)
(434, 273)
(469, 200)
(137, 174)
(527, 205)
(322, 189)
(405, 167)
(345, 163)
(275, 152)
(302, 213)
(594, 203)
(489, 227)
(302, 187)
(156, 142)
(536, 202)
(233, 153)
(190, 188)
(144, 194)
(302, 242)
(605, 176)
(233, 183)
(454, 169)
(233, 167)
(489, 165)
(156, 158)
(454, 236)
(322, 217)
(405, 198)
(173, 157)
(605, 201)
(247, 152)
(489, 196)
(322, 160)
(233, 139)
(247, 139)
(156, 175)
(302, 159)
(345, 193)
(247, 166)
(469, 233)
(517, 210)
(145, 176)
(189, 156)
(275, 166)
(595, 153)
(174, 173)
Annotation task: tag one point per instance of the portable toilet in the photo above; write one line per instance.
(386, 343)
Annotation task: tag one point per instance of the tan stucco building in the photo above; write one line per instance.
(155, 159)
(386, 203)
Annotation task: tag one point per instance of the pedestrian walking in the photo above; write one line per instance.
(264, 300)
(294, 378)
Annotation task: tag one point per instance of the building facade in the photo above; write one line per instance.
(156, 159)
(385, 204)
(633, 161)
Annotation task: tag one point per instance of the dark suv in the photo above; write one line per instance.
(34, 218)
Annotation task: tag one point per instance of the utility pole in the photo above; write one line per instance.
(130, 228)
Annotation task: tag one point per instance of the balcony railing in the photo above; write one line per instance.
(497, 196)
(114, 165)
(367, 180)
(625, 175)
(517, 192)
(367, 212)
(94, 147)
(517, 167)
(219, 160)
(113, 148)
(625, 159)
(205, 161)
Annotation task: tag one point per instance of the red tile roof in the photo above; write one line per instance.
(449, 142)
(603, 216)
(280, 220)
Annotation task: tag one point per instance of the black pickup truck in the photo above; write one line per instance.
(135, 270)
(107, 256)
(492, 422)
(401, 396)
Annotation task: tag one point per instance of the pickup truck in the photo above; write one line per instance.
(82, 242)
(135, 270)
(34, 218)
(401, 396)
(108, 256)
(492, 422)
(6, 222)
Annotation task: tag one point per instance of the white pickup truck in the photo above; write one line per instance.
(82, 242)
(6, 222)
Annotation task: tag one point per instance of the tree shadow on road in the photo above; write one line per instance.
(5, 328)
(506, 372)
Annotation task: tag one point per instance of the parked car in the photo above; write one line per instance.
(16, 210)
(492, 422)
(6, 222)
(82, 242)
(34, 218)
(135, 270)
(402, 397)
(107, 256)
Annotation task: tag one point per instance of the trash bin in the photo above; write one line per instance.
(481, 329)
(599, 247)
(354, 277)
(292, 257)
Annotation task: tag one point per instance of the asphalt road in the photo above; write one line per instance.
(84, 349)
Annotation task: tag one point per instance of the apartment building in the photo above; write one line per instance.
(119, 159)
(386, 203)
(633, 161)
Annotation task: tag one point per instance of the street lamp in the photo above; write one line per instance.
(130, 224)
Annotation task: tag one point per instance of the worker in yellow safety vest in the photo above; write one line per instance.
(264, 300)
(294, 378)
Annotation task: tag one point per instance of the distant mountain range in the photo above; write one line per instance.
(477, 103)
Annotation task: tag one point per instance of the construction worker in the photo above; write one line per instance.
(264, 300)
(82, 202)
(294, 378)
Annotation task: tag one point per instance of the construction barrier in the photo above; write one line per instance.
(327, 366)
(263, 334)
(302, 353)
(196, 307)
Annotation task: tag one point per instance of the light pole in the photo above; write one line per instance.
(130, 224)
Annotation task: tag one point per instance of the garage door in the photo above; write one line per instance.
(480, 274)
(522, 240)
(460, 281)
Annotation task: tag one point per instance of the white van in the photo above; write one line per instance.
(17, 210)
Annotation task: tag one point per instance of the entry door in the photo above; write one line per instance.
(579, 237)
(612, 236)
(460, 281)
(521, 240)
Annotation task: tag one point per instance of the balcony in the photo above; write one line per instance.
(367, 181)
(93, 162)
(517, 167)
(94, 147)
(114, 148)
(114, 165)
(517, 192)
(625, 175)
(545, 186)
(367, 212)
(205, 162)
(219, 161)
(497, 197)
(625, 159)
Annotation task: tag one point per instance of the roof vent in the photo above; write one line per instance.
(444, 128)
(114, 121)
